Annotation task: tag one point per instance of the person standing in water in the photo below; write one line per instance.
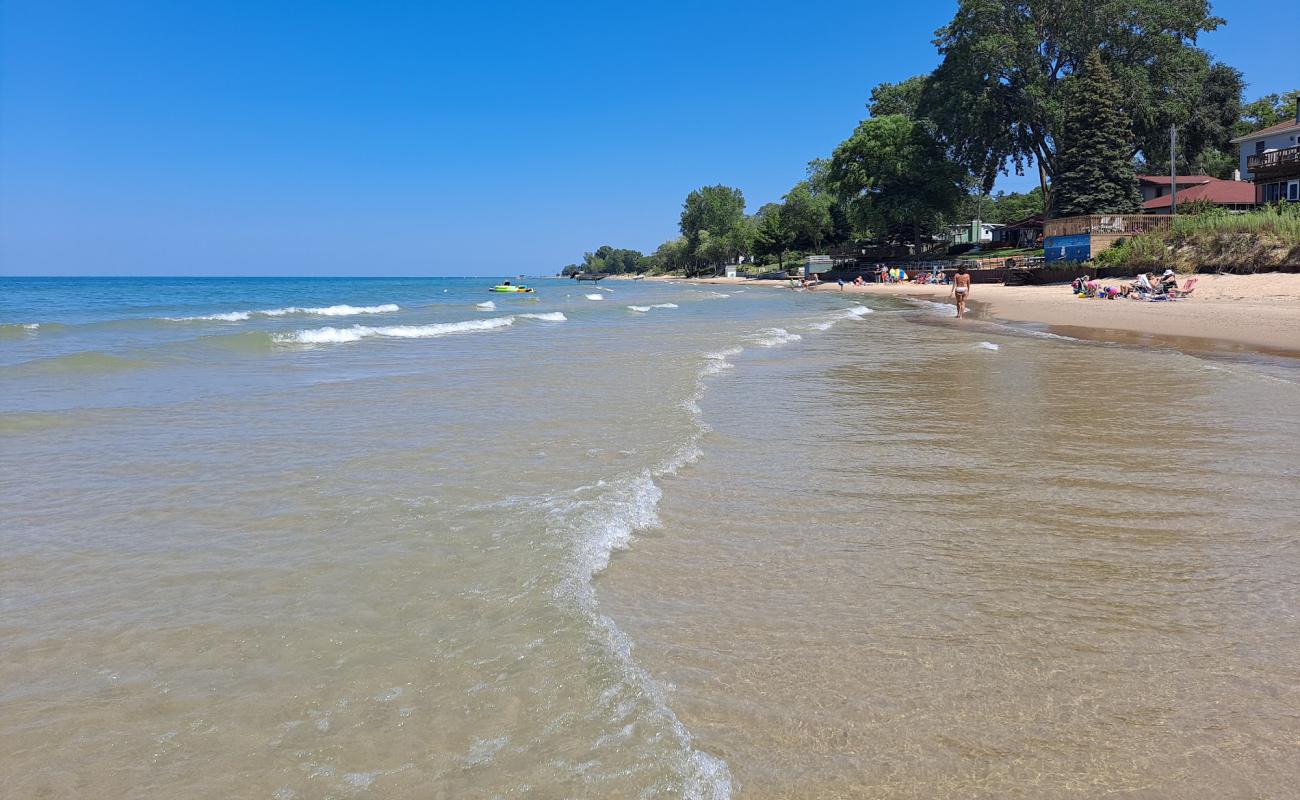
(961, 290)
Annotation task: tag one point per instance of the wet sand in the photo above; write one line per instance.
(1227, 312)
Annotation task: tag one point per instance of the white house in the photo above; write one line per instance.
(1271, 158)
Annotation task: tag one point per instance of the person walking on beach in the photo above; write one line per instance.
(840, 281)
(961, 290)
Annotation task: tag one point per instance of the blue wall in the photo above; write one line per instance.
(1076, 247)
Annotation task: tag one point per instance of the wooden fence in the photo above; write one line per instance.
(1115, 224)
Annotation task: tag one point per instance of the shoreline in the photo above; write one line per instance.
(1227, 313)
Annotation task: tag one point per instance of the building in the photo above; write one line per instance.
(1082, 238)
(1023, 233)
(1271, 158)
(974, 233)
(1232, 195)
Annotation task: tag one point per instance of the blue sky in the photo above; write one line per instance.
(404, 138)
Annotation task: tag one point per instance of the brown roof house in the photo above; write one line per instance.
(1232, 195)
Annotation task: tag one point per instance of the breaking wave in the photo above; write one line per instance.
(318, 311)
(594, 296)
(644, 309)
(486, 306)
(774, 337)
(332, 335)
(986, 346)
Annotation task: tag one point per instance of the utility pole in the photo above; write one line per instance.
(1173, 171)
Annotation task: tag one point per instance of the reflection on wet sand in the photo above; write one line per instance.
(921, 570)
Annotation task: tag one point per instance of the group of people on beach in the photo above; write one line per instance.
(1146, 287)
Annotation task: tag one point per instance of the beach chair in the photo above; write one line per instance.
(1186, 291)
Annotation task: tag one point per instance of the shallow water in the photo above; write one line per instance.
(276, 538)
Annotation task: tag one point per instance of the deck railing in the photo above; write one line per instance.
(1286, 159)
(1126, 224)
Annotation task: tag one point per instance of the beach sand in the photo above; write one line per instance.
(1234, 312)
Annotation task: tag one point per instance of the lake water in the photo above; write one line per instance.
(348, 538)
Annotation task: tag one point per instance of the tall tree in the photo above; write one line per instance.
(900, 98)
(771, 235)
(1095, 173)
(807, 216)
(717, 211)
(996, 95)
(892, 172)
(1267, 110)
(1204, 138)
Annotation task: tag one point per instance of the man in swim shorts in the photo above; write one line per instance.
(961, 290)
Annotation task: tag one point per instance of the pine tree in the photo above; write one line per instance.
(1095, 173)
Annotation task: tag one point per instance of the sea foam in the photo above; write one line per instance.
(595, 296)
(332, 335)
(486, 306)
(774, 337)
(319, 311)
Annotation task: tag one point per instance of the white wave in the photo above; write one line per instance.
(716, 362)
(644, 309)
(486, 306)
(719, 294)
(322, 311)
(329, 335)
(332, 311)
(856, 312)
(594, 296)
(230, 316)
(774, 337)
(31, 326)
(987, 346)
(546, 316)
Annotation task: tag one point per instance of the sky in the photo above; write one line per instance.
(421, 138)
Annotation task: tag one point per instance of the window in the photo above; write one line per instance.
(1259, 147)
(1293, 191)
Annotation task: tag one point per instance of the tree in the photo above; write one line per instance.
(1204, 138)
(902, 98)
(807, 216)
(1267, 110)
(892, 172)
(1095, 173)
(718, 211)
(771, 236)
(997, 94)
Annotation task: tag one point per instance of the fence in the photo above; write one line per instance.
(1116, 224)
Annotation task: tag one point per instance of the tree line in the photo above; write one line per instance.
(1082, 93)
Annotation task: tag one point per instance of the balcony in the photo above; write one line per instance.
(1282, 163)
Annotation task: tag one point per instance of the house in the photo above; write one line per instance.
(1027, 232)
(975, 233)
(1232, 195)
(1271, 158)
(1154, 186)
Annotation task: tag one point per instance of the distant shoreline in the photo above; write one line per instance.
(1230, 313)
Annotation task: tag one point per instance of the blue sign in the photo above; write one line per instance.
(1075, 247)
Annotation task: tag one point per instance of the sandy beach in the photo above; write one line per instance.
(1235, 312)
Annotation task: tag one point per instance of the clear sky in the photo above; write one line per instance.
(400, 138)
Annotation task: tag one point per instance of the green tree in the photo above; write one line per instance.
(807, 216)
(1095, 171)
(1204, 138)
(772, 237)
(1267, 110)
(996, 96)
(716, 211)
(891, 172)
(902, 98)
